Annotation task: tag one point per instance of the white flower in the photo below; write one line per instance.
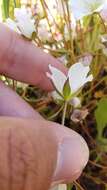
(103, 13)
(81, 8)
(43, 30)
(103, 38)
(12, 25)
(56, 7)
(22, 13)
(75, 102)
(76, 78)
(79, 115)
(63, 60)
(86, 59)
(23, 24)
(77, 75)
(38, 9)
(58, 36)
(56, 96)
(58, 78)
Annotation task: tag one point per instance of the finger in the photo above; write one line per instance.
(71, 145)
(28, 154)
(23, 61)
(39, 155)
(12, 105)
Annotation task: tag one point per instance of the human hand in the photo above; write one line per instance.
(35, 153)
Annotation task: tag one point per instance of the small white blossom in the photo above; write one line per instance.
(12, 25)
(58, 36)
(56, 7)
(103, 12)
(43, 30)
(86, 59)
(81, 8)
(75, 102)
(79, 115)
(103, 38)
(56, 96)
(22, 13)
(23, 24)
(76, 79)
(63, 59)
(38, 9)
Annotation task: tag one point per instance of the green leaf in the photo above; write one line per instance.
(67, 90)
(5, 8)
(101, 116)
(17, 3)
(8, 8)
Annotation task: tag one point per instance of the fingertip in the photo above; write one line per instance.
(73, 155)
(21, 54)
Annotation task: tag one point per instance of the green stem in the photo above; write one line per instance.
(15, 3)
(69, 186)
(102, 22)
(64, 112)
(56, 114)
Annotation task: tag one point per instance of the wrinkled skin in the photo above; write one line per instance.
(29, 145)
(19, 163)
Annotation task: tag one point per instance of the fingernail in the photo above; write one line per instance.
(73, 156)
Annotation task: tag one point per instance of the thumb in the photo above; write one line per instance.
(37, 153)
(71, 153)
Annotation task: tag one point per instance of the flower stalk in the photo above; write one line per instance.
(64, 112)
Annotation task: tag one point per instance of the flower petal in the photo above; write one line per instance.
(58, 78)
(86, 59)
(78, 76)
(103, 12)
(12, 25)
(26, 27)
(24, 22)
(79, 115)
(81, 8)
(22, 13)
(56, 96)
(75, 102)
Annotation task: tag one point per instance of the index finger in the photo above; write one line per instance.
(23, 61)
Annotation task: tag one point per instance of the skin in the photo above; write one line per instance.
(36, 153)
